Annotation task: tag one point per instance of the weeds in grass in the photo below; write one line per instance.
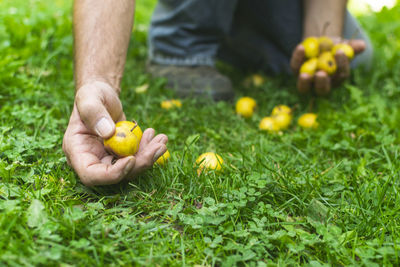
(304, 197)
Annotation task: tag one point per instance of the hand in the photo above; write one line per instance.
(322, 81)
(96, 108)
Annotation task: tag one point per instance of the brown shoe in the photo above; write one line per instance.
(194, 81)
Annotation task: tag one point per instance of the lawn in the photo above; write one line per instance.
(320, 197)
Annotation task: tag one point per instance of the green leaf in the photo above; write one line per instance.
(317, 211)
(36, 214)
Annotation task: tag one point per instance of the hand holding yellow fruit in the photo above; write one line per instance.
(126, 139)
(245, 106)
(333, 65)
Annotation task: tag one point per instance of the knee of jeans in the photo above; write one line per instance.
(353, 30)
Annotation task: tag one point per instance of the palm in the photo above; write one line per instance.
(90, 146)
(86, 154)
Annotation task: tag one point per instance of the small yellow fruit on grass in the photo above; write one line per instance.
(257, 80)
(346, 48)
(164, 158)
(309, 67)
(126, 139)
(308, 121)
(245, 106)
(311, 47)
(209, 161)
(172, 103)
(281, 109)
(268, 124)
(282, 120)
(327, 62)
(142, 89)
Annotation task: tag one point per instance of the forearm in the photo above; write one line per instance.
(102, 31)
(317, 13)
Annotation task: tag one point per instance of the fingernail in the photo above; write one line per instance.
(150, 136)
(103, 127)
(158, 154)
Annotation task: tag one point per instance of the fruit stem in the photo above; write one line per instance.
(134, 125)
(354, 34)
(326, 25)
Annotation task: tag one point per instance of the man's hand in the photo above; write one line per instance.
(321, 80)
(96, 108)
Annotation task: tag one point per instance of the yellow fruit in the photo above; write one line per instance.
(327, 62)
(311, 47)
(308, 121)
(245, 106)
(347, 50)
(325, 43)
(309, 67)
(281, 109)
(209, 161)
(164, 158)
(177, 103)
(282, 120)
(142, 89)
(126, 139)
(268, 124)
(173, 103)
(257, 80)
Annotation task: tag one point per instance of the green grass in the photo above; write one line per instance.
(318, 198)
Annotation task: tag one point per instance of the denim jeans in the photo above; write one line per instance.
(251, 34)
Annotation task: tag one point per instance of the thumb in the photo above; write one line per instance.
(98, 106)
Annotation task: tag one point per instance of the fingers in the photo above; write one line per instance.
(122, 117)
(150, 149)
(322, 83)
(343, 68)
(105, 173)
(99, 106)
(94, 171)
(304, 83)
(147, 136)
(297, 58)
(358, 45)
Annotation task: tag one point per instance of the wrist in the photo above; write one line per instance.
(97, 82)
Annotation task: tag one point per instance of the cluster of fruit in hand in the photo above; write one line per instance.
(320, 53)
(126, 139)
(280, 119)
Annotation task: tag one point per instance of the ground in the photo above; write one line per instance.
(321, 197)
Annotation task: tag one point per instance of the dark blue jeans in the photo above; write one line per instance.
(252, 34)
